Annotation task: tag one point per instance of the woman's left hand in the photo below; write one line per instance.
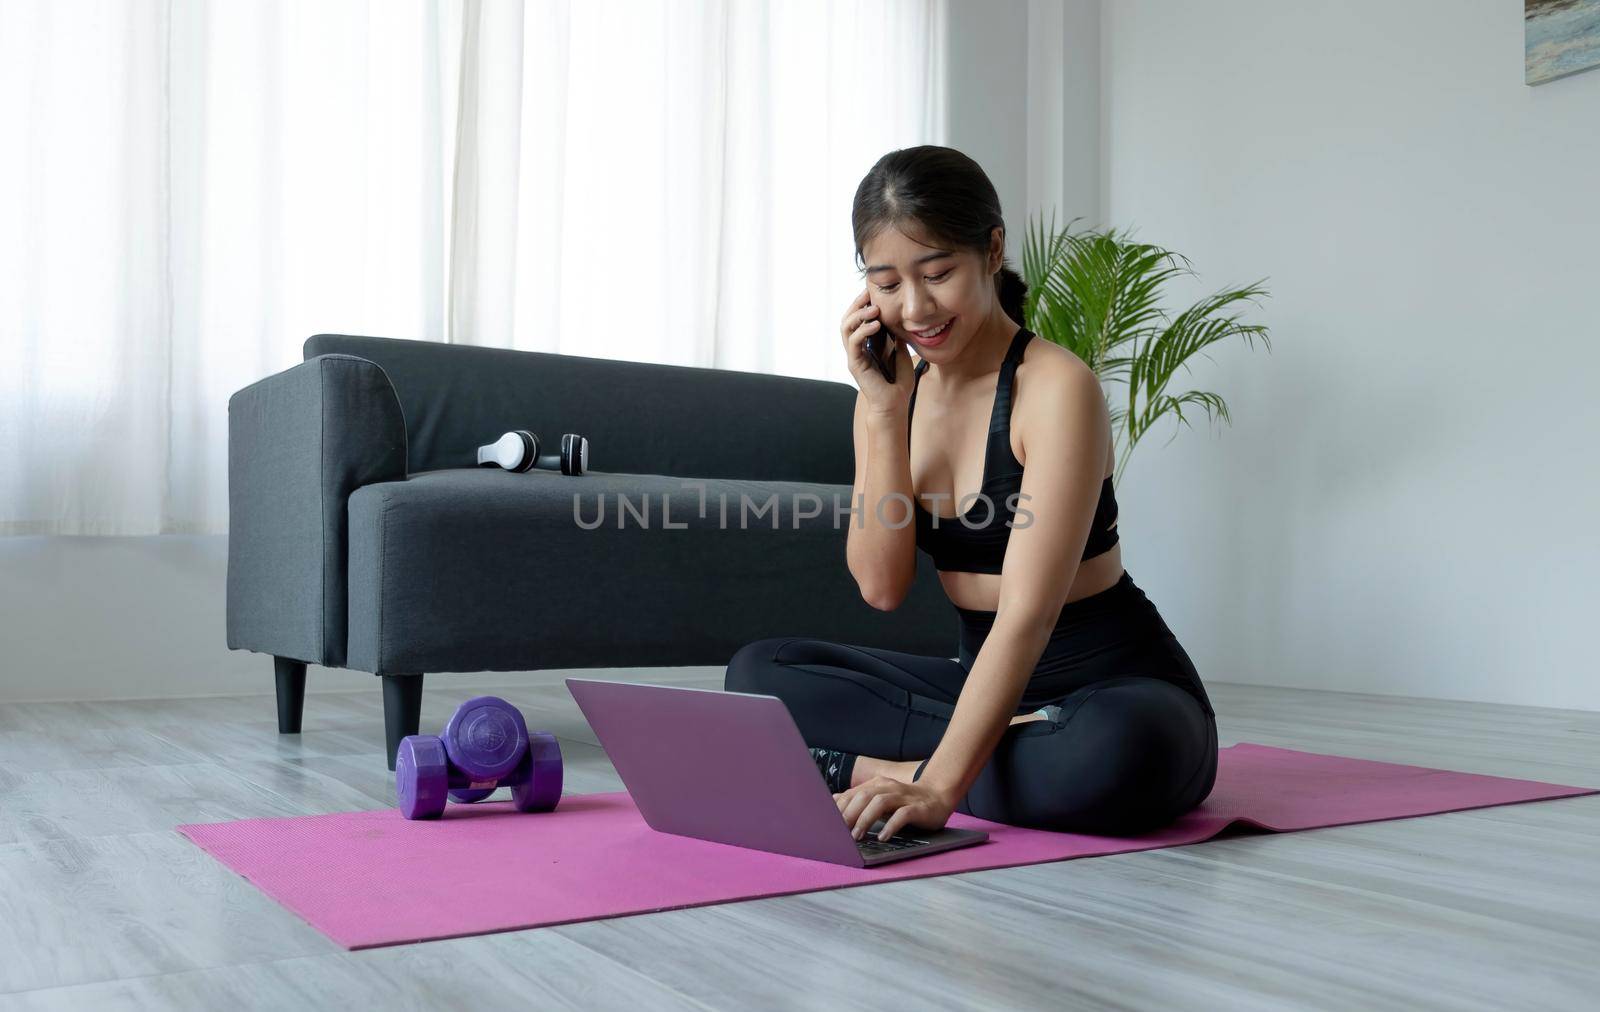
(902, 804)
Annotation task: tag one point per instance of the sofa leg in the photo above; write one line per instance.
(402, 709)
(291, 693)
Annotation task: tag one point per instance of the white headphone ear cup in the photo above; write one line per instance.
(507, 450)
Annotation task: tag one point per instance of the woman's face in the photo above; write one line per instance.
(919, 289)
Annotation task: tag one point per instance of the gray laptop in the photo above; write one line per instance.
(731, 767)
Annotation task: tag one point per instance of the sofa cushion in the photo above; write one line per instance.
(479, 569)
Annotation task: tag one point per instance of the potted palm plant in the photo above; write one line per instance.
(1096, 293)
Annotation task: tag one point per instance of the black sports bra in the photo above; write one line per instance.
(964, 544)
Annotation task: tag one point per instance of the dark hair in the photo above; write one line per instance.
(949, 196)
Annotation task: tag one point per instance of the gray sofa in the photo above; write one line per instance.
(363, 534)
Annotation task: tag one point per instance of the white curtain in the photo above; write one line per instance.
(189, 189)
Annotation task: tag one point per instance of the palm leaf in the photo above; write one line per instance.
(1098, 294)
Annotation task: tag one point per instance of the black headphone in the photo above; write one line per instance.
(518, 450)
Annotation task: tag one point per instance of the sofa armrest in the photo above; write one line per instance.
(299, 442)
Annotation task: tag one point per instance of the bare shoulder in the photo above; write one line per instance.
(1050, 381)
(1050, 374)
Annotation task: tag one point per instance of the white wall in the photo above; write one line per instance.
(1025, 104)
(1406, 501)
(140, 617)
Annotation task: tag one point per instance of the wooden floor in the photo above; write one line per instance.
(103, 905)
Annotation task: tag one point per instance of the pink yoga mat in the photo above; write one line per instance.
(373, 878)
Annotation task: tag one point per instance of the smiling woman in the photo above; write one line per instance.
(1048, 616)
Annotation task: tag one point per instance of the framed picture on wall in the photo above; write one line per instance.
(1560, 37)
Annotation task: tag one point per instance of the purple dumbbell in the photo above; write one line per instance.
(485, 745)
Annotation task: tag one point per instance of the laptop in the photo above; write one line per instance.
(732, 767)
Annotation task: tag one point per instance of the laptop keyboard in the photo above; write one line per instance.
(873, 845)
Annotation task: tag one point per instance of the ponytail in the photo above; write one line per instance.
(1010, 289)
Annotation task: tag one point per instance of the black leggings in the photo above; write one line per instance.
(1134, 745)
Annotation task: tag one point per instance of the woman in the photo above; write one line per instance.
(1071, 706)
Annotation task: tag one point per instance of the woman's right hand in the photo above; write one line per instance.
(861, 322)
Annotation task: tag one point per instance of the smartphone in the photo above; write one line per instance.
(880, 349)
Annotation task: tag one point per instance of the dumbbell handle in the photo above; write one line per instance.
(538, 773)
